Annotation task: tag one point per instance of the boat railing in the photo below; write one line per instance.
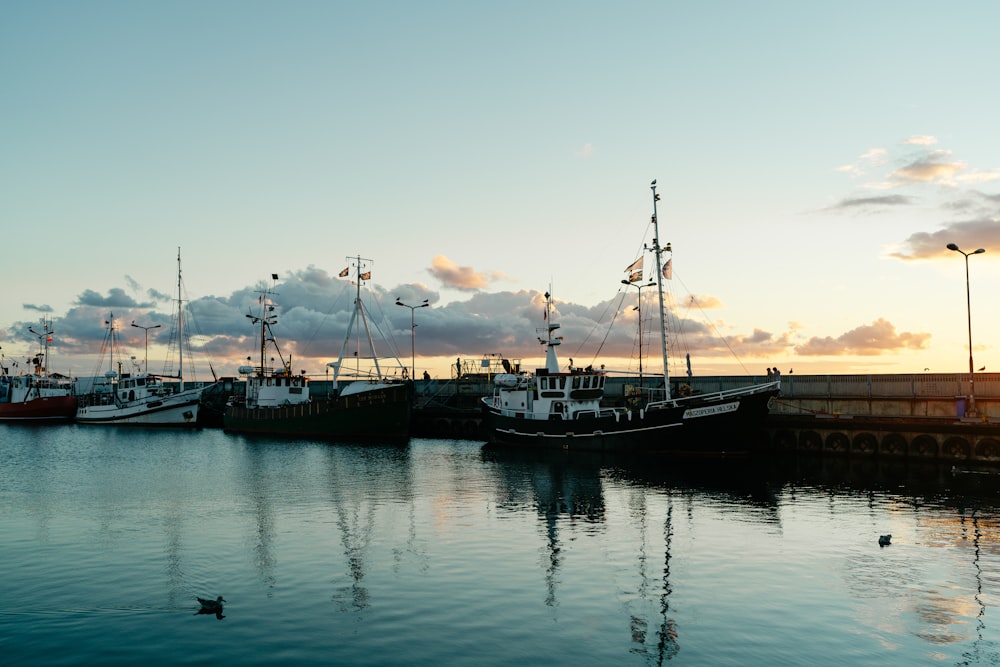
(658, 399)
(600, 412)
(523, 413)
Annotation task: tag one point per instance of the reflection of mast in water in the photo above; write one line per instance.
(175, 574)
(667, 639)
(553, 549)
(352, 474)
(560, 492)
(666, 635)
(355, 535)
(264, 524)
(980, 623)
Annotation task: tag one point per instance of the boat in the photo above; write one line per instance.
(37, 396)
(137, 397)
(364, 404)
(554, 408)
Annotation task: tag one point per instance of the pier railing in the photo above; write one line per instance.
(913, 394)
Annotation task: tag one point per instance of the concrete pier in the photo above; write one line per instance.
(925, 416)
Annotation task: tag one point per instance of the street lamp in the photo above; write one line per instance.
(146, 330)
(413, 332)
(968, 309)
(639, 309)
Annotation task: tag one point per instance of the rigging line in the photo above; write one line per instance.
(347, 290)
(383, 319)
(607, 333)
(191, 320)
(713, 328)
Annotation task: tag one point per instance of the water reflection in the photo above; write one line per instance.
(449, 552)
(359, 481)
(566, 490)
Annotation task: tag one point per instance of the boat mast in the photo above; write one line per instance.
(266, 320)
(41, 358)
(657, 250)
(111, 344)
(180, 325)
(550, 342)
(359, 309)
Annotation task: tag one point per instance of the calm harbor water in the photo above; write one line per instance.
(441, 553)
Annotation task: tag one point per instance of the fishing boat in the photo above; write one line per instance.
(365, 404)
(554, 408)
(137, 397)
(37, 396)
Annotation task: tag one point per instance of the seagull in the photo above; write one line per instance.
(211, 606)
(883, 540)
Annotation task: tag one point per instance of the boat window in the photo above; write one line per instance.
(141, 382)
(562, 383)
(576, 382)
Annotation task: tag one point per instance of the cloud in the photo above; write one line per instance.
(933, 179)
(116, 298)
(586, 151)
(978, 177)
(934, 167)
(462, 277)
(921, 140)
(702, 301)
(874, 158)
(969, 235)
(873, 339)
(871, 204)
(37, 307)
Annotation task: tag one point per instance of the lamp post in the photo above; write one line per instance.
(145, 365)
(968, 309)
(639, 309)
(413, 333)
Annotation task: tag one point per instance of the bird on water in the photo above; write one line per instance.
(211, 606)
(884, 540)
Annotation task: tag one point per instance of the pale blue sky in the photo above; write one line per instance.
(481, 151)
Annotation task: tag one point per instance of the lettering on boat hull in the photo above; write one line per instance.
(711, 410)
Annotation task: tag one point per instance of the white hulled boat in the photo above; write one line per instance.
(138, 397)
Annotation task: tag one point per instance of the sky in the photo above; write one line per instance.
(813, 161)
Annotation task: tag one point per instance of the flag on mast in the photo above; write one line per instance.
(344, 272)
(637, 264)
(634, 271)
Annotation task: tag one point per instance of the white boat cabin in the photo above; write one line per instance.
(131, 388)
(547, 395)
(269, 389)
(21, 388)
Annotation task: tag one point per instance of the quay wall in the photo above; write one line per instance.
(920, 416)
(903, 416)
